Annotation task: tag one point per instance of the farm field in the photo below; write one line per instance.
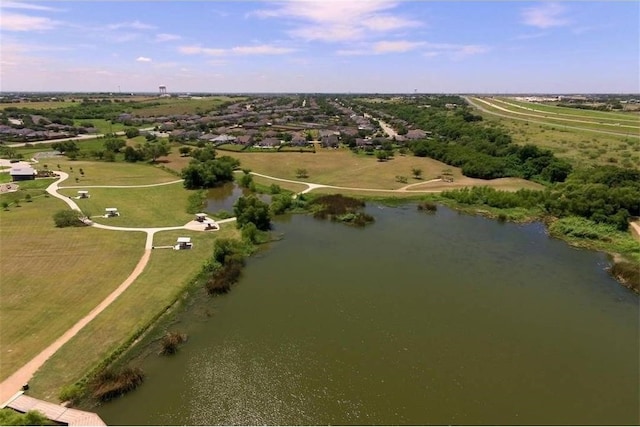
(52, 277)
(163, 280)
(38, 105)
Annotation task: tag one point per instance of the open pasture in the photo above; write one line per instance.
(52, 277)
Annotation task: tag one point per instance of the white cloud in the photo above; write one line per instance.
(19, 22)
(546, 15)
(335, 21)
(143, 59)
(164, 37)
(238, 50)
(454, 51)
(399, 46)
(135, 25)
(26, 6)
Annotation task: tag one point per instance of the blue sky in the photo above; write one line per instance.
(321, 46)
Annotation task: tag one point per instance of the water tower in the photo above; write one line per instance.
(163, 90)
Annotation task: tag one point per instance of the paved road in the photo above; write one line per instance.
(481, 108)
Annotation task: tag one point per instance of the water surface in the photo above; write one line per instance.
(416, 319)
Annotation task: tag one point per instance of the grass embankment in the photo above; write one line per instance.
(166, 277)
(582, 122)
(554, 110)
(581, 148)
(52, 277)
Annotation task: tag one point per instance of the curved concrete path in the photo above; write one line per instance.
(13, 383)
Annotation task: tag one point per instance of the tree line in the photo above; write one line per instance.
(460, 138)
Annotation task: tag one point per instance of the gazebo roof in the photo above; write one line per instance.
(184, 239)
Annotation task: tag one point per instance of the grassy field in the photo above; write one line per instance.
(169, 106)
(109, 173)
(334, 167)
(165, 278)
(40, 105)
(160, 206)
(607, 116)
(47, 270)
(576, 146)
(581, 122)
(103, 126)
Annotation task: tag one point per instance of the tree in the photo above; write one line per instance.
(113, 144)
(417, 173)
(68, 218)
(382, 155)
(184, 151)
(250, 209)
(133, 155)
(156, 149)
(5, 206)
(302, 173)
(132, 132)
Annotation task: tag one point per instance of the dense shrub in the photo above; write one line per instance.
(170, 342)
(9, 417)
(111, 384)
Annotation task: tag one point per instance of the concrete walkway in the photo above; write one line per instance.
(58, 413)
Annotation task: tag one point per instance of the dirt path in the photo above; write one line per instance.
(13, 384)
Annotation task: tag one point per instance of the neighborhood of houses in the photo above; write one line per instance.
(258, 122)
(270, 123)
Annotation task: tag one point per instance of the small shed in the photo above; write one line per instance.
(110, 212)
(83, 194)
(183, 243)
(22, 173)
(200, 217)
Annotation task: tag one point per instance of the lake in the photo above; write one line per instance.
(416, 319)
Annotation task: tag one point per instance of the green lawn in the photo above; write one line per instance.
(160, 206)
(165, 278)
(52, 277)
(110, 173)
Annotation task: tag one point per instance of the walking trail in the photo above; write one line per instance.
(14, 383)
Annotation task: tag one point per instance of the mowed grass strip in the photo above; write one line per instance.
(579, 147)
(161, 206)
(518, 113)
(165, 278)
(633, 118)
(109, 173)
(52, 277)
